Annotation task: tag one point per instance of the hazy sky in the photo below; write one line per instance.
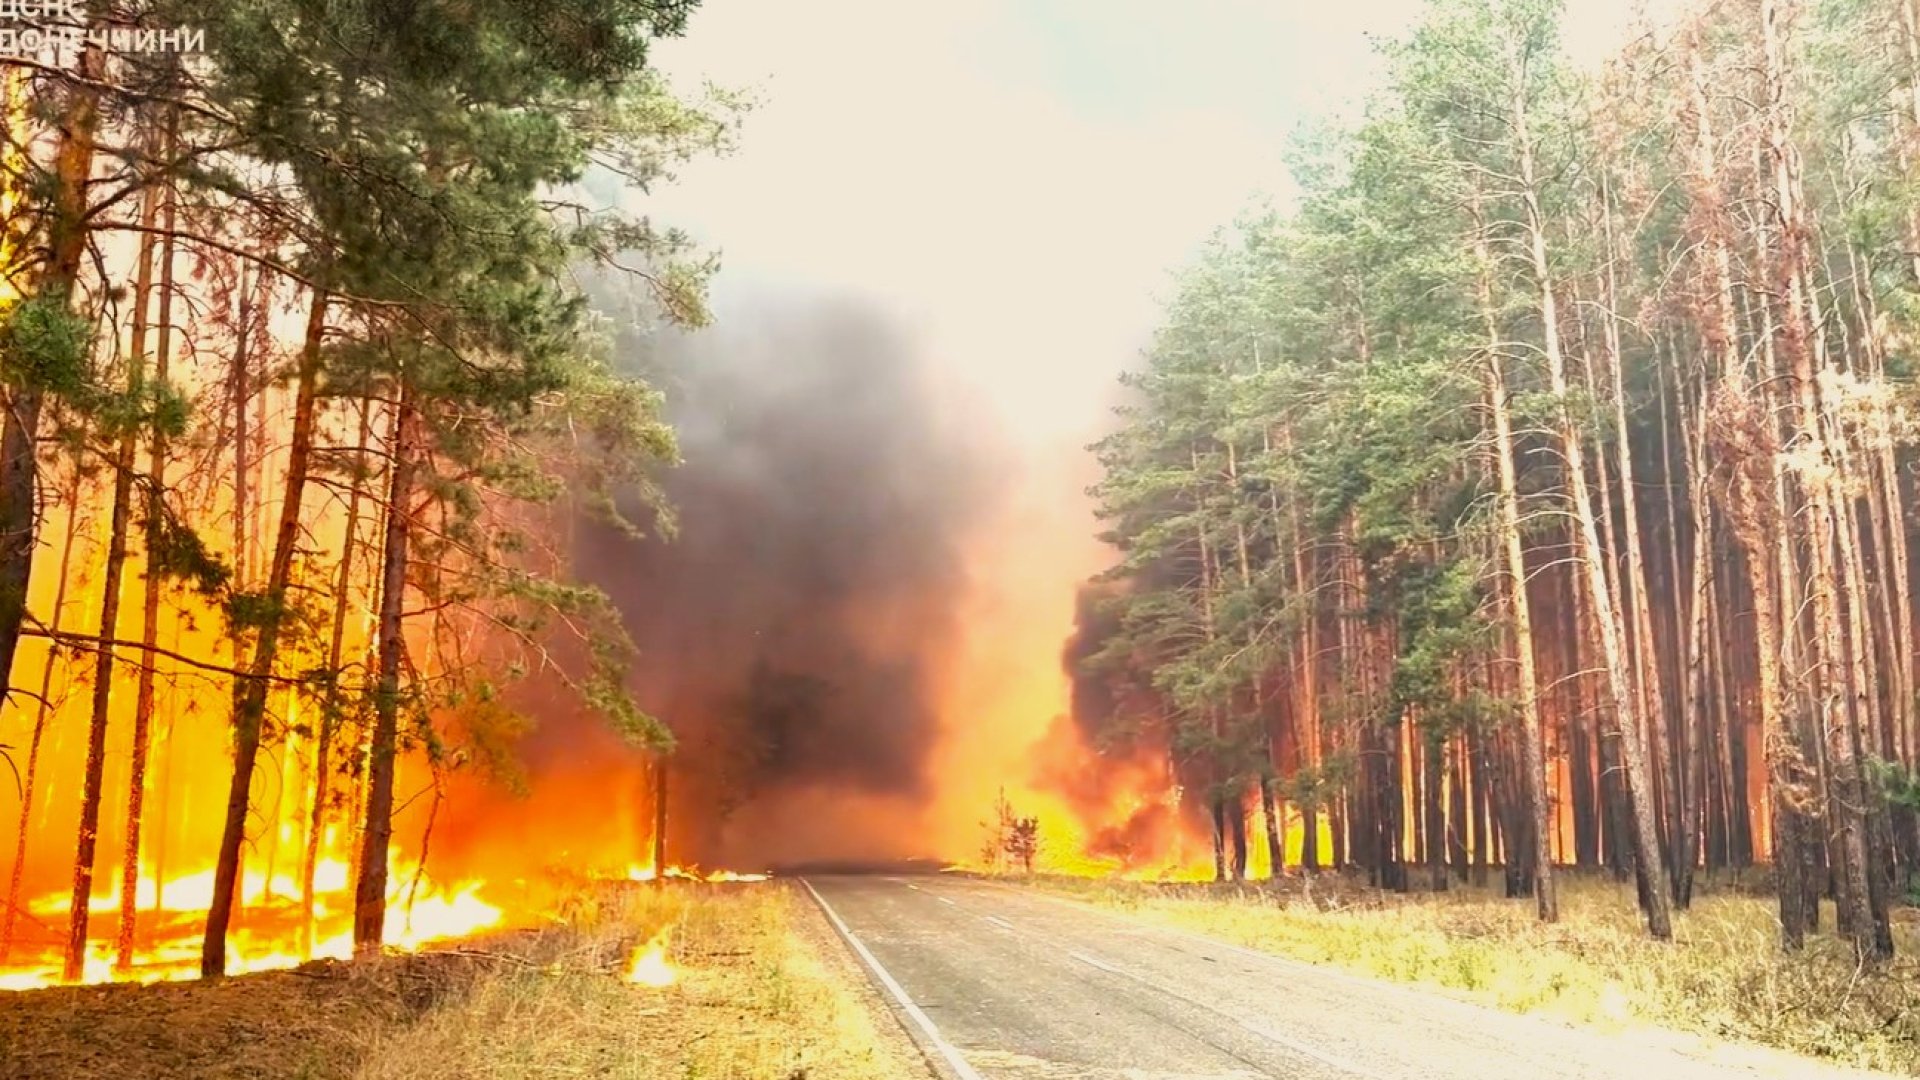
(1014, 178)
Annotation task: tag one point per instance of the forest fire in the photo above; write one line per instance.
(272, 934)
(693, 874)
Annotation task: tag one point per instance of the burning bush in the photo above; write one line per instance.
(1011, 839)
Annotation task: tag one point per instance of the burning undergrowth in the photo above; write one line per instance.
(1109, 761)
(624, 977)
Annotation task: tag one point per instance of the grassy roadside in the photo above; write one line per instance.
(1723, 976)
(755, 998)
(762, 992)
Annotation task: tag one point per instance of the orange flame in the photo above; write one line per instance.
(650, 966)
(683, 873)
(271, 938)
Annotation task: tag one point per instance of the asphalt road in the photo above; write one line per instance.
(1000, 983)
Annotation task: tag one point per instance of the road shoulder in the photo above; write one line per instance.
(1386, 939)
(895, 1053)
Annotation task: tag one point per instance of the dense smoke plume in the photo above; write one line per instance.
(1118, 719)
(791, 635)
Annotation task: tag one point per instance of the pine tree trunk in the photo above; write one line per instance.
(1587, 782)
(1863, 719)
(150, 601)
(79, 911)
(1237, 820)
(363, 744)
(1414, 807)
(1434, 759)
(67, 234)
(239, 395)
(1735, 732)
(1519, 607)
(1690, 721)
(1217, 807)
(1457, 811)
(1275, 833)
(1745, 438)
(1635, 598)
(1695, 684)
(1482, 807)
(1244, 563)
(334, 703)
(1724, 783)
(1217, 766)
(239, 391)
(1308, 727)
(1519, 610)
(1611, 578)
(1821, 523)
(250, 695)
(1593, 558)
(1869, 611)
(660, 818)
(370, 891)
(1890, 547)
(1403, 796)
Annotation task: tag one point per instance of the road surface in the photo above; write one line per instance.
(1001, 983)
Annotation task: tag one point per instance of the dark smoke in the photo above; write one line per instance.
(1137, 841)
(792, 632)
(1119, 715)
(1113, 712)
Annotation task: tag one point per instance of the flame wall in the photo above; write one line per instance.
(856, 635)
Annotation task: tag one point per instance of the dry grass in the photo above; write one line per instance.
(759, 996)
(764, 992)
(1723, 975)
(300, 1024)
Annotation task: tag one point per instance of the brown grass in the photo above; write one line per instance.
(758, 996)
(1722, 976)
(764, 992)
(296, 1024)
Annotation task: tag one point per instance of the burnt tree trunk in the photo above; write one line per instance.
(250, 691)
(370, 892)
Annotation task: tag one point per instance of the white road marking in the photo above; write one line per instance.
(948, 902)
(958, 1064)
(1091, 962)
(1265, 1031)
(912, 886)
(999, 922)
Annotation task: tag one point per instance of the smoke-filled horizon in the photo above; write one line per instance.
(791, 633)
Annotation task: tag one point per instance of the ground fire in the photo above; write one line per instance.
(649, 965)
